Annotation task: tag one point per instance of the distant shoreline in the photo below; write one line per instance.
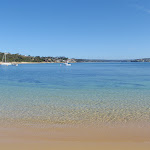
(31, 62)
(23, 59)
(71, 62)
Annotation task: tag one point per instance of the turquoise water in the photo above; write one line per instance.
(83, 94)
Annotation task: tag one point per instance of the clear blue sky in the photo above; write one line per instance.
(105, 29)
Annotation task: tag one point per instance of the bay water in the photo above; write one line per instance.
(81, 94)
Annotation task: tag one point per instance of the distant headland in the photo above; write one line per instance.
(35, 59)
(61, 59)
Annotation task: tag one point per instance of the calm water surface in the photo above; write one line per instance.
(83, 94)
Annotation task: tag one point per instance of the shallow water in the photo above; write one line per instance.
(83, 94)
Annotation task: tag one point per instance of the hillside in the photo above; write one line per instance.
(23, 58)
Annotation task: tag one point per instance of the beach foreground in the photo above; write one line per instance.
(116, 138)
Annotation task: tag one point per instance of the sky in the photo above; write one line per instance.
(93, 29)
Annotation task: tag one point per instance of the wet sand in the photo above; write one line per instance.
(106, 138)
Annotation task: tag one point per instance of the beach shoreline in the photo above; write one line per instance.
(31, 62)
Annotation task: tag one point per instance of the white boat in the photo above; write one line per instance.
(67, 64)
(5, 63)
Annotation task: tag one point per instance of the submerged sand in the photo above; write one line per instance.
(75, 138)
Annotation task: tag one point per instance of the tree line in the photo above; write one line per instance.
(24, 58)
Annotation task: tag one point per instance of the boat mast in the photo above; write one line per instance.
(5, 57)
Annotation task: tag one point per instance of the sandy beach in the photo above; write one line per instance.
(116, 138)
(29, 62)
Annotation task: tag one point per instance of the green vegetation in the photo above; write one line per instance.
(62, 59)
(23, 58)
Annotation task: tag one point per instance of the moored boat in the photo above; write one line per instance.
(5, 63)
(67, 64)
